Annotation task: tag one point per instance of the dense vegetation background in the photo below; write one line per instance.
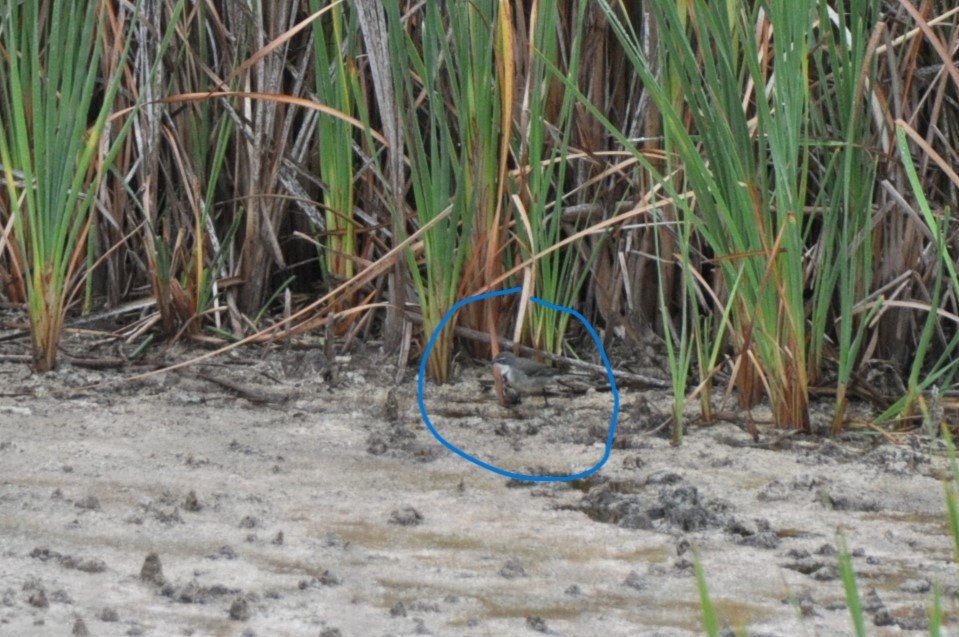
(768, 187)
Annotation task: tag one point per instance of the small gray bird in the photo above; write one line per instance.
(525, 376)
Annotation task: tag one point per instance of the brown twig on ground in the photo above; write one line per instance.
(243, 391)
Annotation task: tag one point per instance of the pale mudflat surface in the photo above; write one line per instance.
(323, 511)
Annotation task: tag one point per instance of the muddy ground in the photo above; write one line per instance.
(276, 494)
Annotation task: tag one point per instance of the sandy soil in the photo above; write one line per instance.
(278, 495)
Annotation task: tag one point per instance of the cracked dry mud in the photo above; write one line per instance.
(321, 505)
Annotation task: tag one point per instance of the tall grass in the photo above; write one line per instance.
(278, 151)
(178, 174)
(454, 151)
(56, 146)
(847, 153)
(770, 120)
(547, 161)
(746, 168)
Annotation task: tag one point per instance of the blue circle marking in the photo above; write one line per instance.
(485, 465)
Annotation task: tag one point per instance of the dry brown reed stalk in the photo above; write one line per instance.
(912, 94)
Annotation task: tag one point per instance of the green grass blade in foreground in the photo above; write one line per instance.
(848, 577)
(952, 488)
(710, 625)
(935, 614)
